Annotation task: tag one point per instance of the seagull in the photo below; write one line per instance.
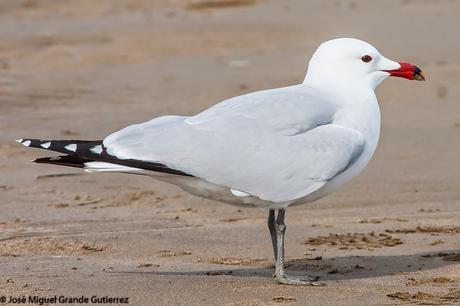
(272, 148)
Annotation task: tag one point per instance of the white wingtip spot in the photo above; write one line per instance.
(96, 149)
(71, 147)
(46, 145)
(19, 140)
(26, 143)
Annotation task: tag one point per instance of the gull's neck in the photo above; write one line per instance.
(345, 93)
(357, 105)
(342, 85)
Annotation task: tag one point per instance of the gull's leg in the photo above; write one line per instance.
(280, 273)
(271, 228)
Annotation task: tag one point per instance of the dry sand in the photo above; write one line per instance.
(81, 69)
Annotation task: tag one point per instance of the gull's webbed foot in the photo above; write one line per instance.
(285, 280)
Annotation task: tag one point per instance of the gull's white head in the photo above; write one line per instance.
(349, 62)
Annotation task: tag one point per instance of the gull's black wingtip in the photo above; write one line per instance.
(79, 152)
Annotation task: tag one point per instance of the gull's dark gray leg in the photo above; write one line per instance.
(280, 274)
(280, 229)
(271, 228)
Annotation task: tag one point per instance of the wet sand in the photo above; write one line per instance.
(82, 69)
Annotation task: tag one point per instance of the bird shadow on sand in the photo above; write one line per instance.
(335, 268)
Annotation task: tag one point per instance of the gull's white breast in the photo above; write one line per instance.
(366, 119)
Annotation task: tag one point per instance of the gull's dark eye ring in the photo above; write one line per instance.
(366, 58)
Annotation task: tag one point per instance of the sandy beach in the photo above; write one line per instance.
(83, 69)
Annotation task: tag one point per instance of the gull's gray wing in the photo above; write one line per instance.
(278, 145)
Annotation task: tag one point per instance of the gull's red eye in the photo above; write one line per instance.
(366, 58)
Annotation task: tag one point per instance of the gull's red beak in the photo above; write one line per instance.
(407, 71)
